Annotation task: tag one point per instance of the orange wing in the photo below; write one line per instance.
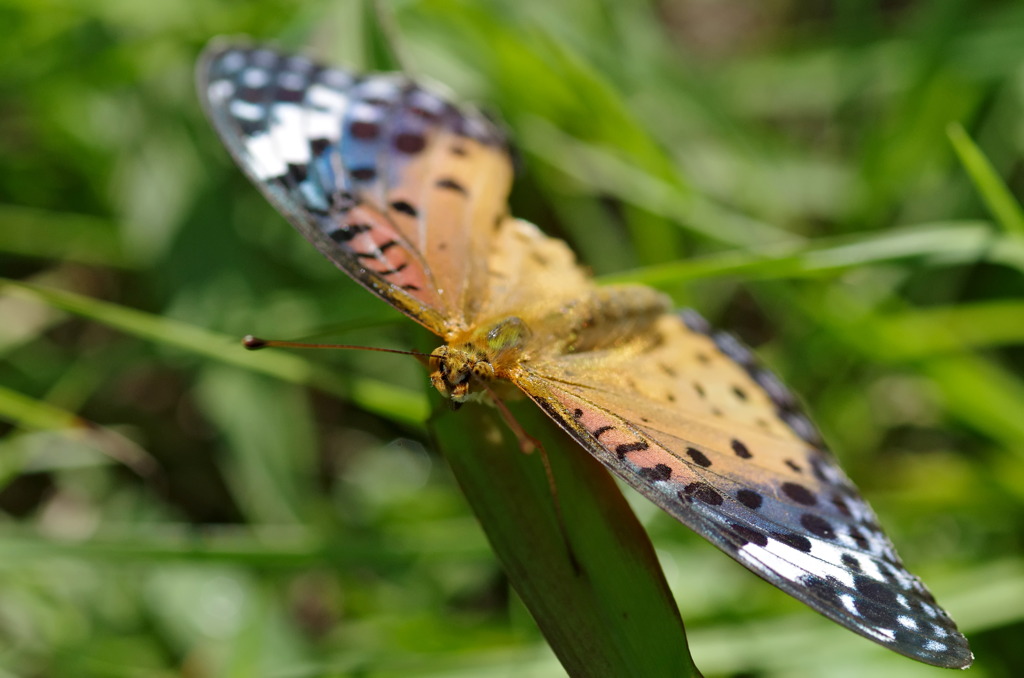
(391, 182)
(691, 420)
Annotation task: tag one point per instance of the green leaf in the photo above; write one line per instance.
(611, 612)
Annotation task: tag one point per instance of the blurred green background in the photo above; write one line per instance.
(802, 173)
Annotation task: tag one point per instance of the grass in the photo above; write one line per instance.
(840, 187)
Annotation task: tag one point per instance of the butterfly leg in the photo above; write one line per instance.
(527, 444)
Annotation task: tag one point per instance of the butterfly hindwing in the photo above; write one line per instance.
(389, 180)
(691, 420)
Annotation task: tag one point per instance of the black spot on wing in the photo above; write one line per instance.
(701, 492)
(626, 448)
(364, 173)
(752, 500)
(741, 450)
(397, 269)
(658, 472)
(748, 535)
(318, 146)
(366, 131)
(823, 590)
(297, 173)
(817, 526)
(452, 185)
(858, 538)
(840, 504)
(405, 208)
(799, 494)
(409, 142)
(349, 231)
(797, 541)
(698, 457)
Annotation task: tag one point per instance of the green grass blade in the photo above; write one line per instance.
(376, 396)
(993, 190)
(950, 329)
(946, 243)
(600, 170)
(380, 43)
(29, 413)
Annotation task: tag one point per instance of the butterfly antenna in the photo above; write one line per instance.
(527, 444)
(255, 343)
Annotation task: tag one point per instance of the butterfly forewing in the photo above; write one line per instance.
(385, 177)
(406, 193)
(686, 418)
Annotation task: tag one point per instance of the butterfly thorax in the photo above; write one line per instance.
(465, 367)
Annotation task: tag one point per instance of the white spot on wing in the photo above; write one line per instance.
(255, 78)
(287, 132)
(220, 90)
(762, 558)
(475, 127)
(322, 125)
(335, 78)
(427, 101)
(379, 88)
(832, 555)
(264, 160)
(848, 602)
(232, 61)
(326, 98)
(820, 564)
(245, 110)
(870, 568)
(907, 622)
(291, 80)
(364, 112)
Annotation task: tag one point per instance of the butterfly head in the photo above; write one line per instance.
(463, 369)
(457, 373)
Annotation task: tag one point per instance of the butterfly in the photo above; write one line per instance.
(407, 192)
